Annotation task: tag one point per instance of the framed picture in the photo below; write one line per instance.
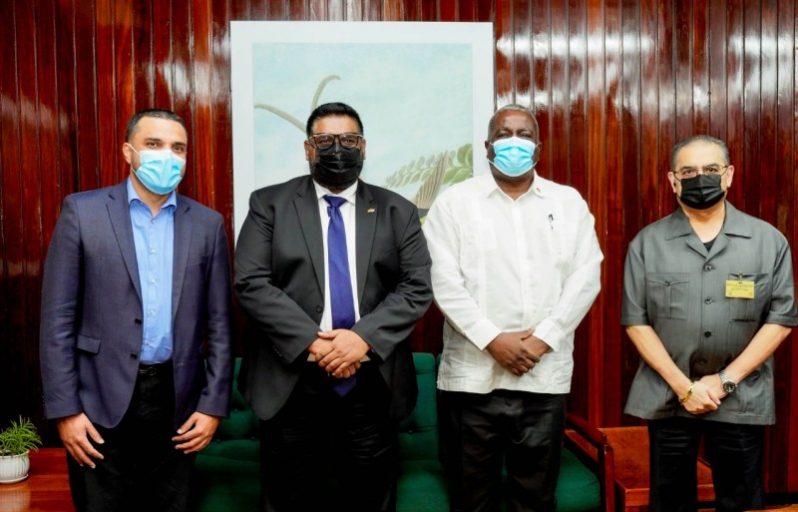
(424, 92)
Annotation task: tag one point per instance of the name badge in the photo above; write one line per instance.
(738, 289)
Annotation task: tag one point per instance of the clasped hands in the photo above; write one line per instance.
(517, 351)
(339, 352)
(706, 395)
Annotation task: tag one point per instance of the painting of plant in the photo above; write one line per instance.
(423, 92)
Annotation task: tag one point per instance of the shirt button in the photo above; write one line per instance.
(708, 267)
(708, 301)
(707, 334)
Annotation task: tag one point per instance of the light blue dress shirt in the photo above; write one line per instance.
(154, 239)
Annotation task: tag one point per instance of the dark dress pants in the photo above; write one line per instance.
(141, 470)
(522, 430)
(326, 452)
(734, 453)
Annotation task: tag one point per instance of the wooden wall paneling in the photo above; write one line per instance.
(612, 182)
(502, 28)
(716, 51)
(765, 173)
(154, 50)
(632, 37)
(533, 63)
(683, 69)
(792, 375)
(700, 66)
(667, 111)
(752, 83)
(447, 10)
(203, 135)
(576, 114)
(106, 87)
(181, 63)
(782, 474)
(14, 278)
(735, 120)
(558, 91)
(221, 181)
(596, 189)
(86, 95)
(66, 108)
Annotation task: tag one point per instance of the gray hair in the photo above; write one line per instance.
(515, 108)
(699, 138)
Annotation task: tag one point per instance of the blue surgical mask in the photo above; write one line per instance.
(159, 170)
(513, 156)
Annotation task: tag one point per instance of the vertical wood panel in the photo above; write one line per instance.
(615, 83)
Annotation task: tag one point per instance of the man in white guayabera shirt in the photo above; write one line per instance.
(515, 268)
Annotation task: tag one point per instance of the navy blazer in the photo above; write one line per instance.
(91, 327)
(280, 285)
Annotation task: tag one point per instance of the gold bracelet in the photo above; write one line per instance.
(689, 393)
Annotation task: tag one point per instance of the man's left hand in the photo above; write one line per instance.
(714, 384)
(348, 349)
(537, 346)
(196, 433)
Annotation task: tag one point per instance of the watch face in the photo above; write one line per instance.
(729, 386)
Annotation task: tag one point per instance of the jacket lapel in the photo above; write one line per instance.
(365, 225)
(119, 213)
(307, 209)
(182, 246)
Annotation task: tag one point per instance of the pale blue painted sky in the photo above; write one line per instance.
(414, 99)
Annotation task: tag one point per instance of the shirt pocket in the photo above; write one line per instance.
(749, 310)
(668, 295)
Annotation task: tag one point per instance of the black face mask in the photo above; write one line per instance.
(336, 166)
(702, 191)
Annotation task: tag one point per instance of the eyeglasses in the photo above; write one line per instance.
(686, 173)
(326, 140)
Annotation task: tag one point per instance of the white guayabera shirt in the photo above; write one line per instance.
(504, 265)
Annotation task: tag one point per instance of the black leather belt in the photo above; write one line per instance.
(151, 370)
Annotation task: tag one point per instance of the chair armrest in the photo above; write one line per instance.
(593, 448)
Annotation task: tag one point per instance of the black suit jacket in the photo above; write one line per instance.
(280, 284)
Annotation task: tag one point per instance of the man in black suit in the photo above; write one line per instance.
(334, 274)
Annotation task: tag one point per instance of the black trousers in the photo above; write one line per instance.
(141, 470)
(480, 433)
(327, 452)
(734, 452)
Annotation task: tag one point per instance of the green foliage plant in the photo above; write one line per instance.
(19, 438)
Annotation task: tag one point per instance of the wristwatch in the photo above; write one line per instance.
(729, 386)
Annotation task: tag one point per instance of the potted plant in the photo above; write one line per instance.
(15, 443)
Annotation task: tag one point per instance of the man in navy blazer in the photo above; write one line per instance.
(333, 273)
(135, 334)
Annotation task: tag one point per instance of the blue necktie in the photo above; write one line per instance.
(341, 301)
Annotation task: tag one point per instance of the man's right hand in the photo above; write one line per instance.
(509, 351)
(75, 431)
(702, 400)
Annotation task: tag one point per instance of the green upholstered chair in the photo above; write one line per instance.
(228, 469)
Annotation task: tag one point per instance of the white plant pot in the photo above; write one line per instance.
(14, 468)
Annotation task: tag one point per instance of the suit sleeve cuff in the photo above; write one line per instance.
(550, 333)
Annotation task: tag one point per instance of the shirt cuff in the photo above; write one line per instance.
(549, 332)
(483, 333)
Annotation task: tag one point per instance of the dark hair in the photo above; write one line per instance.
(160, 113)
(698, 138)
(332, 109)
(515, 108)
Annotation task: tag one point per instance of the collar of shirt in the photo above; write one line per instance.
(348, 193)
(735, 224)
(132, 195)
(539, 186)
